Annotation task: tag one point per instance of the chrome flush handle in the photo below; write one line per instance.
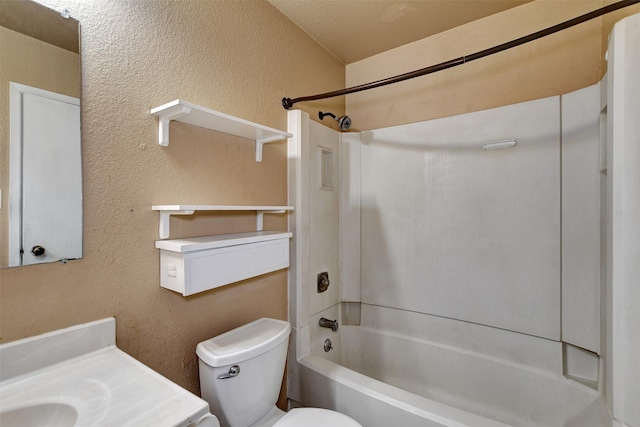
(234, 371)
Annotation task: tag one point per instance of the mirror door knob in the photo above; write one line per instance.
(37, 250)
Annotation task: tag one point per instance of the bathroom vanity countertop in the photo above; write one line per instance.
(78, 377)
(106, 388)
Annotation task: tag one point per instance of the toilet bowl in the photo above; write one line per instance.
(315, 417)
(241, 373)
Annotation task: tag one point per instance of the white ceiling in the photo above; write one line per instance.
(356, 29)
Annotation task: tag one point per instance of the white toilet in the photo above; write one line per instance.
(241, 373)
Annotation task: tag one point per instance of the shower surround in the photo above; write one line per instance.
(473, 287)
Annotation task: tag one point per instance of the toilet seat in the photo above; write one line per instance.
(315, 417)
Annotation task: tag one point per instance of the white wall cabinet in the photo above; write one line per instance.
(189, 266)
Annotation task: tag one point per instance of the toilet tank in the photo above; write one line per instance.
(259, 350)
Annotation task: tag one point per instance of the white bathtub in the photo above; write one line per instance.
(385, 378)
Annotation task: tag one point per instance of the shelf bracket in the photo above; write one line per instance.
(165, 217)
(261, 142)
(260, 218)
(163, 123)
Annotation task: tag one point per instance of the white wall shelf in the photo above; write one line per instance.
(165, 212)
(196, 115)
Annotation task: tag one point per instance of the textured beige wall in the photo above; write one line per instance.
(556, 64)
(31, 62)
(238, 57)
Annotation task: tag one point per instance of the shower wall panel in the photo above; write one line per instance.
(581, 218)
(314, 180)
(324, 215)
(452, 230)
(350, 147)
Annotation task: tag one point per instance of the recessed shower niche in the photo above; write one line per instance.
(325, 168)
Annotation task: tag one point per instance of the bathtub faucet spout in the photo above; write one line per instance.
(326, 323)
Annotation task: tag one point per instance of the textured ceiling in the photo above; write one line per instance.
(356, 29)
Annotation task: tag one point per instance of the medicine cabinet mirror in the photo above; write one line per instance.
(40, 160)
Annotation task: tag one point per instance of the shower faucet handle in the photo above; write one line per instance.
(323, 281)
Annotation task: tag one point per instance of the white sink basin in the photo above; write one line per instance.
(78, 377)
(50, 398)
(40, 415)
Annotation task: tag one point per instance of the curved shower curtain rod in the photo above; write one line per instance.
(287, 103)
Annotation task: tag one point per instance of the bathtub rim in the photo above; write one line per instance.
(404, 400)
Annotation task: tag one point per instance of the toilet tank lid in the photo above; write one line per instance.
(244, 342)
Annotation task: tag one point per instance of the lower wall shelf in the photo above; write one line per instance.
(193, 265)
